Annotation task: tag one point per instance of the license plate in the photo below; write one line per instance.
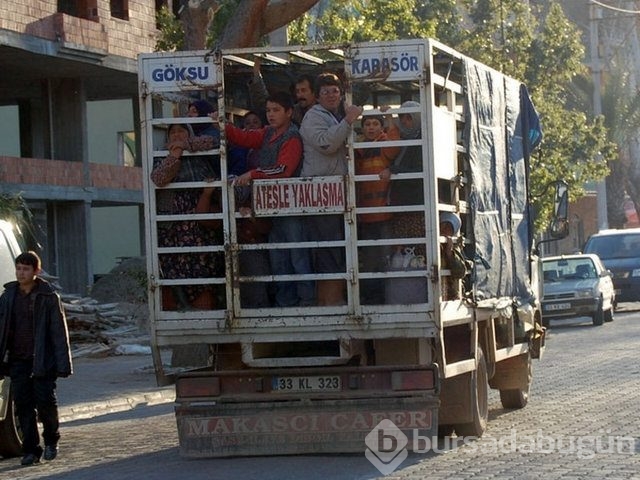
(326, 383)
(558, 306)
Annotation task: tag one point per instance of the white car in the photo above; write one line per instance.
(576, 286)
(10, 433)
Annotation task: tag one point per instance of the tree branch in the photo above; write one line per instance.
(255, 18)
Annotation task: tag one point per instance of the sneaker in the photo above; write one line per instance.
(50, 452)
(30, 459)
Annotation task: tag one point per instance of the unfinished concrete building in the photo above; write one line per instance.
(69, 78)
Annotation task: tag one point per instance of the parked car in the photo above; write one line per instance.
(575, 286)
(619, 250)
(10, 433)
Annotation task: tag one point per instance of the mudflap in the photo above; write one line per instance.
(538, 341)
(309, 426)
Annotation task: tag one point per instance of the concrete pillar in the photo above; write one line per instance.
(72, 222)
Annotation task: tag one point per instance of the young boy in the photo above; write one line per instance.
(34, 345)
(279, 155)
(373, 226)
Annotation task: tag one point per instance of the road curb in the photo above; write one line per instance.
(80, 411)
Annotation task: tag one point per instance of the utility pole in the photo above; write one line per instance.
(595, 15)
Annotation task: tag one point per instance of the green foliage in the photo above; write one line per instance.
(171, 33)
(500, 35)
(369, 20)
(297, 31)
(10, 205)
(556, 56)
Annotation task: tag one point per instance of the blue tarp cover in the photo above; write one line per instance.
(498, 111)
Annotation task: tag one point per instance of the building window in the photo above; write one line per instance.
(79, 8)
(120, 9)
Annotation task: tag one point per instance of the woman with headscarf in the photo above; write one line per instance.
(407, 192)
(186, 233)
(410, 191)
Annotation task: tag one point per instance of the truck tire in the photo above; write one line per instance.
(518, 397)
(479, 392)
(10, 433)
(598, 315)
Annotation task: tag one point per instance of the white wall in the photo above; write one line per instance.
(115, 231)
(10, 128)
(104, 120)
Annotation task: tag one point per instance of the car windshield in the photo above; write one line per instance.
(614, 246)
(568, 269)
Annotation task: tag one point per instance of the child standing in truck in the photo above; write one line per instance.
(374, 193)
(279, 156)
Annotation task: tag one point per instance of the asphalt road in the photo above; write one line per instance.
(582, 422)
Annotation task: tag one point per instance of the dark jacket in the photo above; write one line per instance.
(52, 355)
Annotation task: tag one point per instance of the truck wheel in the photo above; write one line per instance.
(10, 433)
(518, 397)
(598, 316)
(479, 392)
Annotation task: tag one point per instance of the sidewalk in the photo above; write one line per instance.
(110, 384)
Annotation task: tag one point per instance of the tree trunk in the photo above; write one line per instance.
(195, 20)
(250, 21)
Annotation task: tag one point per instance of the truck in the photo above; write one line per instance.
(323, 378)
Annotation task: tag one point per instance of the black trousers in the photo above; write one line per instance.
(32, 395)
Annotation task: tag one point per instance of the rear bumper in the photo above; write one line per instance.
(227, 414)
(302, 427)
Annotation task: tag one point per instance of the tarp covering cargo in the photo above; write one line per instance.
(498, 112)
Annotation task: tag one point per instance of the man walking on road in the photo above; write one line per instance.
(34, 348)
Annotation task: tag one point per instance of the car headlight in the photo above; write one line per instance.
(635, 272)
(584, 292)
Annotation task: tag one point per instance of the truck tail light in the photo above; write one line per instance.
(198, 387)
(413, 380)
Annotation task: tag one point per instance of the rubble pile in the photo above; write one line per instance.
(101, 329)
(114, 319)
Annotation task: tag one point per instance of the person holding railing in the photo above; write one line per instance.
(279, 156)
(374, 193)
(324, 130)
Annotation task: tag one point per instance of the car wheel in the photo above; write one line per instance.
(10, 433)
(598, 316)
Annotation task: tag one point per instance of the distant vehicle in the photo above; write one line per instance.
(619, 250)
(10, 434)
(576, 286)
